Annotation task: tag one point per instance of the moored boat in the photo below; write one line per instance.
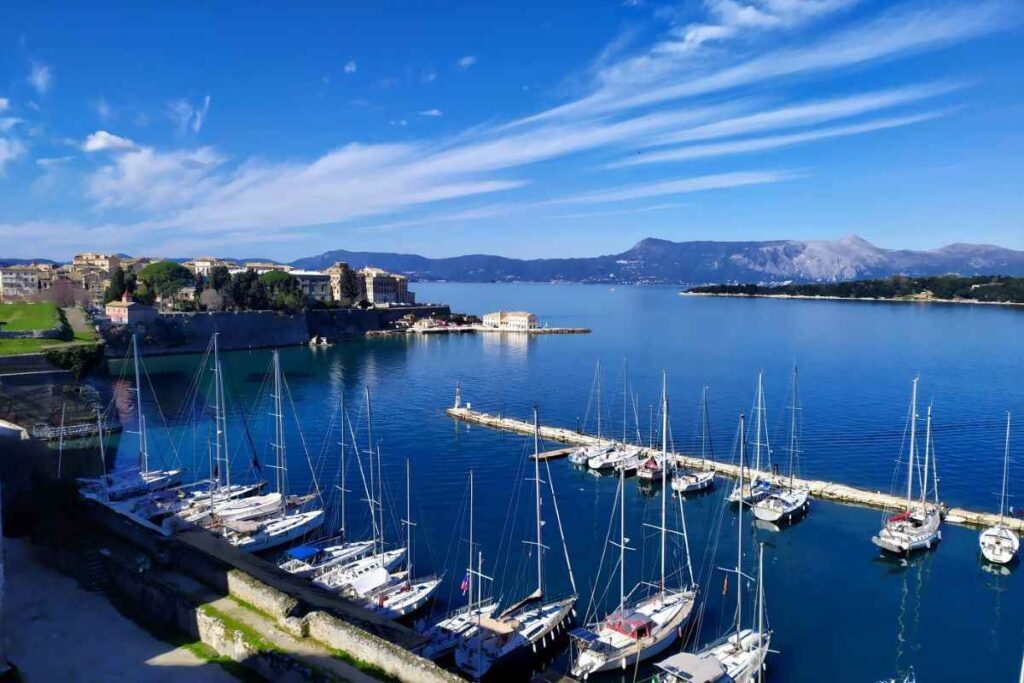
(1000, 544)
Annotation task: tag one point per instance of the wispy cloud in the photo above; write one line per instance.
(9, 122)
(188, 117)
(101, 141)
(752, 145)
(616, 212)
(350, 67)
(10, 149)
(40, 77)
(718, 181)
(466, 62)
(431, 112)
(103, 109)
(5, 104)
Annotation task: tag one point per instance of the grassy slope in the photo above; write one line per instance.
(20, 317)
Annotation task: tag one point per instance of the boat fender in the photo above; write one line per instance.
(533, 647)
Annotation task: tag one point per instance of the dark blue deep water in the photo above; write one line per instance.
(838, 611)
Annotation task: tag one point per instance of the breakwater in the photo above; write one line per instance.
(173, 333)
(825, 490)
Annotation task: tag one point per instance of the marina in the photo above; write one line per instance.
(824, 490)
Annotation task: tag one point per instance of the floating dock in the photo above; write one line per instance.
(825, 490)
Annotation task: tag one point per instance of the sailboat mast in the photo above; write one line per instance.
(739, 535)
(913, 442)
(757, 439)
(1006, 464)
(927, 455)
(599, 401)
(341, 465)
(408, 520)
(536, 484)
(704, 426)
(792, 427)
(664, 470)
(622, 539)
(760, 609)
(469, 572)
(282, 471)
(103, 454)
(369, 453)
(143, 445)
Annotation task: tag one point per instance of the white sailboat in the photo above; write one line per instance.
(917, 527)
(787, 502)
(316, 558)
(740, 656)
(622, 458)
(693, 481)
(462, 624)
(362, 577)
(284, 526)
(141, 478)
(583, 454)
(530, 627)
(1000, 544)
(758, 485)
(641, 627)
(408, 596)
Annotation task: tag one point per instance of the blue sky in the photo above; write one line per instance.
(525, 129)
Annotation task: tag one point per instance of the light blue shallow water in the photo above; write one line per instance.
(838, 612)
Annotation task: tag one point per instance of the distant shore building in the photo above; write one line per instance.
(381, 287)
(204, 265)
(18, 283)
(128, 312)
(338, 273)
(261, 267)
(511, 320)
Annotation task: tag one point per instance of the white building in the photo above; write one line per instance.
(511, 320)
(18, 283)
(381, 287)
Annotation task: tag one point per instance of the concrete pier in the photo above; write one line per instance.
(825, 490)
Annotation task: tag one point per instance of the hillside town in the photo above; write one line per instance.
(88, 279)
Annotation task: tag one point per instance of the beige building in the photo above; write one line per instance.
(338, 272)
(107, 262)
(204, 265)
(18, 283)
(264, 267)
(93, 280)
(381, 287)
(511, 320)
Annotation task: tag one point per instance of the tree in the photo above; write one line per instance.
(220, 278)
(349, 286)
(117, 287)
(284, 290)
(211, 300)
(247, 291)
(64, 293)
(166, 278)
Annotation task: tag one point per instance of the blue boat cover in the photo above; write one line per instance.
(586, 635)
(303, 552)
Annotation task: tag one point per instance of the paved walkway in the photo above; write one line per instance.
(78, 322)
(58, 631)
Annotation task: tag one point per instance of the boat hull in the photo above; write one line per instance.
(275, 536)
(902, 537)
(785, 509)
(999, 545)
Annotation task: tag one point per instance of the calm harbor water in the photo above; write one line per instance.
(838, 611)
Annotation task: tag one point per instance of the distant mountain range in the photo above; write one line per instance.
(661, 261)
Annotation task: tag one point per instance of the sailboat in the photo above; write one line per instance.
(740, 656)
(786, 502)
(1000, 544)
(460, 625)
(282, 526)
(624, 457)
(641, 627)
(140, 479)
(407, 596)
(583, 454)
(690, 481)
(759, 486)
(315, 558)
(529, 628)
(362, 577)
(917, 527)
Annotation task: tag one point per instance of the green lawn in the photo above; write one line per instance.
(19, 317)
(11, 347)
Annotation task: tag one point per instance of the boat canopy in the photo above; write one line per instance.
(303, 552)
(583, 634)
(633, 624)
(704, 668)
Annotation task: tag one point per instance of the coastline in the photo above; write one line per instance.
(862, 299)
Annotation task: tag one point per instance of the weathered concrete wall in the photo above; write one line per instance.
(261, 596)
(191, 332)
(395, 661)
(344, 323)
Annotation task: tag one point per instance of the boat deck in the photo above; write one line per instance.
(824, 490)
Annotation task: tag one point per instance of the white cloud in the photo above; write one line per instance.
(350, 66)
(40, 77)
(431, 112)
(5, 104)
(101, 141)
(751, 145)
(9, 122)
(466, 62)
(145, 179)
(187, 117)
(10, 149)
(717, 181)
